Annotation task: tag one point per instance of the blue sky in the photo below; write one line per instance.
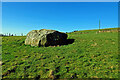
(60, 0)
(22, 17)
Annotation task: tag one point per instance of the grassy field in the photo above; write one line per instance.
(91, 55)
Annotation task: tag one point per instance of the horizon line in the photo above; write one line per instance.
(66, 31)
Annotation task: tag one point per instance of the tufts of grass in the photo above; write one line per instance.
(90, 56)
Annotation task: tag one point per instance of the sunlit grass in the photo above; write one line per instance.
(90, 56)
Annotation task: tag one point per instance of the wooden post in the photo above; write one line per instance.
(99, 25)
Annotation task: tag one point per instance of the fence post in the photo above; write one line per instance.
(99, 25)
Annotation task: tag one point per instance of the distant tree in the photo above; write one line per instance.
(9, 34)
(6, 34)
(15, 34)
(75, 31)
(21, 34)
(12, 35)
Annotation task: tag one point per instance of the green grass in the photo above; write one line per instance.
(90, 56)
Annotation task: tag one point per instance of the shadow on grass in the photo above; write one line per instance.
(69, 41)
(66, 42)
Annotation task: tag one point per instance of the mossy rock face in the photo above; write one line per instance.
(45, 37)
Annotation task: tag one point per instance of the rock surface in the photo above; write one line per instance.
(45, 37)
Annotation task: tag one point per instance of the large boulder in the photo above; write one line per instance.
(45, 37)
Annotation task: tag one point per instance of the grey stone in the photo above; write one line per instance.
(45, 37)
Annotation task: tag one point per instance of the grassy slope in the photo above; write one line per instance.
(90, 56)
